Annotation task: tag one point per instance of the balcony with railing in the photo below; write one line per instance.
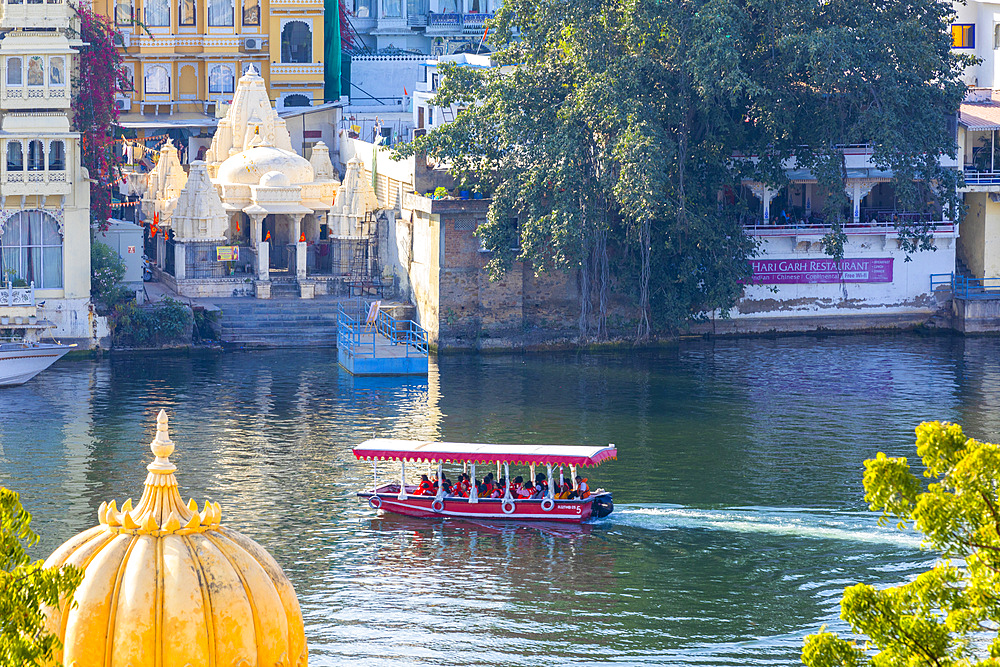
(873, 221)
(34, 14)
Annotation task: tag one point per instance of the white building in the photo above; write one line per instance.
(44, 190)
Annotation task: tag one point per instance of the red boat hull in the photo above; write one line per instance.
(562, 511)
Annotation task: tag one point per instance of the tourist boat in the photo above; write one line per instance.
(21, 361)
(401, 498)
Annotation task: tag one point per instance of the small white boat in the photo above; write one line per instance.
(21, 361)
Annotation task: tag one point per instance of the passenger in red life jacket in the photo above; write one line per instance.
(526, 491)
(498, 490)
(541, 486)
(582, 490)
(425, 488)
(515, 486)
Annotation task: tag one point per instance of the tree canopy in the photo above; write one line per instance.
(611, 132)
(949, 615)
(25, 586)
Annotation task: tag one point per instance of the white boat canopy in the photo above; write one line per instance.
(472, 452)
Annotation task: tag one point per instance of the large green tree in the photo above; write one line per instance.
(25, 586)
(949, 615)
(612, 130)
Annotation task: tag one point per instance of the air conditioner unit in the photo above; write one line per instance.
(122, 39)
(123, 103)
(253, 44)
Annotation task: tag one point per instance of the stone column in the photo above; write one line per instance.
(179, 261)
(857, 189)
(257, 229)
(263, 261)
(300, 247)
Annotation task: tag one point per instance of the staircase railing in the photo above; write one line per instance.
(966, 287)
(357, 337)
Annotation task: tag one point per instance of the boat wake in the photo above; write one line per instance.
(790, 522)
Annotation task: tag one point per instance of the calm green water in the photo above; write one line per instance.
(739, 514)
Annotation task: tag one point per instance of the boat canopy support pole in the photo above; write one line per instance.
(532, 473)
(562, 480)
(440, 492)
(548, 468)
(402, 480)
(375, 475)
(506, 480)
(572, 473)
(473, 492)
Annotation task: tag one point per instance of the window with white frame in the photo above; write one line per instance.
(187, 12)
(221, 79)
(31, 249)
(296, 42)
(157, 80)
(123, 12)
(251, 12)
(158, 13)
(15, 155)
(221, 13)
(36, 156)
(392, 8)
(57, 71)
(15, 75)
(57, 155)
(36, 71)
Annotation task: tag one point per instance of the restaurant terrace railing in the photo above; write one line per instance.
(974, 176)
(756, 228)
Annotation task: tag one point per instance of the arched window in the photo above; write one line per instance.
(221, 79)
(14, 73)
(36, 156)
(157, 79)
(57, 156)
(297, 100)
(158, 13)
(221, 12)
(57, 71)
(296, 42)
(36, 71)
(15, 156)
(31, 249)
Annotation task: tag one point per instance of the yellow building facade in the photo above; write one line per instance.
(185, 56)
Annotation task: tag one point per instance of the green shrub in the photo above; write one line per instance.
(440, 193)
(106, 273)
(149, 326)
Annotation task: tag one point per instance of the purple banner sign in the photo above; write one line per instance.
(812, 271)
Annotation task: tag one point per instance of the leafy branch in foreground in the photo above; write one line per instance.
(949, 615)
(25, 587)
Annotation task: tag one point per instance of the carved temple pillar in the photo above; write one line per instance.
(300, 247)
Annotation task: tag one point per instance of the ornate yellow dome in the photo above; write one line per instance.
(166, 585)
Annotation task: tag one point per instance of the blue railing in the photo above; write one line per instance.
(964, 287)
(358, 337)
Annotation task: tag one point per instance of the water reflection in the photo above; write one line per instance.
(740, 515)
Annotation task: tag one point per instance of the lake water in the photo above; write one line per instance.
(739, 512)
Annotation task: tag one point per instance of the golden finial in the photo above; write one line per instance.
(162, 447)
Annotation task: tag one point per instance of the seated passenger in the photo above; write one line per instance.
(582, 490)
(425, 488)
(540, 492)
(481, 492)
(564, 490)
(515, 486)
(526, 491)
(498, 491)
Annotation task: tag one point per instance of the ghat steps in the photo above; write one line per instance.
(286, 321)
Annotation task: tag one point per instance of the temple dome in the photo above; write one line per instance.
(248, 167)
(165, 584)
(274, 179)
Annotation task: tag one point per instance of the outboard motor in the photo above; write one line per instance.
(603, 506)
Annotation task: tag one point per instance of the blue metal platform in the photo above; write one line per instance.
(380, 344)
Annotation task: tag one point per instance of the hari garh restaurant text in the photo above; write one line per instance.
(805, 271)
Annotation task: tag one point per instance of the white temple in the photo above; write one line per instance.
(289, 217)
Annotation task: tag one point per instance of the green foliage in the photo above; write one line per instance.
(107, 270)
(609, 131)
(440, 193)
(149, 326)
(949, 615)
(25, 587)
